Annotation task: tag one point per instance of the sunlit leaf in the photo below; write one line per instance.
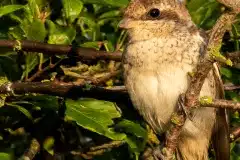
(21, 109)
(48, 144)
(72, 9)
(131, 127)
(35, 31)
(9, 9)
(6, 156)
(59, 34)
(94, 115)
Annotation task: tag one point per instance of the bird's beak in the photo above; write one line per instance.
(126, 23)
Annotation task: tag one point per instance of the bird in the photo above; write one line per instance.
(163, 47)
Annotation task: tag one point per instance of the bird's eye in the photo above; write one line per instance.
(154, 13)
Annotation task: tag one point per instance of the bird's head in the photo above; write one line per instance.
(145, 19)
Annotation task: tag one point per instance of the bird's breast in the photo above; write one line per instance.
(155, 93)
(156, 73)
(157, 51)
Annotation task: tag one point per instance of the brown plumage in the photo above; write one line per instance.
(164, 46)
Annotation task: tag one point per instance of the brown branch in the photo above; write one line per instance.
(235, 134)
(73, 90)
(233, 4)
(193, 92)
(52, 49)
(231, 87)
(106, 77)
(234, 56)
(41, 71)
(32, 151)
(218, 103)
(83, 53)
(98, 150)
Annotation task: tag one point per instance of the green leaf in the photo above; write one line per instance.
(17, 32)
(59, 34)
(35, 31)
(94, 115)
(131, 127)
(41, 101)
(135, 146)
(226, 72)
(9, 68)
(5, 156)
(9, 9)
(48, 145)
(72, 9)
(34, 9)
(110, 14)
(32, 61)
(204, 12)
(233, 95)
(95, 45)
(21, 109)
(136, 135)
(89, 28)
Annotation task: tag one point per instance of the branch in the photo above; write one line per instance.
(32, 151)
(73, 90)
(41, 71)
(235, 134)
(98, 150)
(234, 56)
(231, 87)
(218, 103)
(82, 53)
(191, 96)
(233, 4)
(52, 49)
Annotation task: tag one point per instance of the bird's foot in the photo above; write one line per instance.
(182, 107)
(153, 154)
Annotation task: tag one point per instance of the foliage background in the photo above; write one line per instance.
(62, 125)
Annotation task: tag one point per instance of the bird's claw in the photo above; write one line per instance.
(153, 154)
(182, 107)
(157, 154)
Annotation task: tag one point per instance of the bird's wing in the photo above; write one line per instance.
(221, 142)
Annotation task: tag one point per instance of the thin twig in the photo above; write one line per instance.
(41, 71)
(231, 87)
(218, 103)
(98, 150)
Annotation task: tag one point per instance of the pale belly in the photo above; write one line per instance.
(155, 94)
